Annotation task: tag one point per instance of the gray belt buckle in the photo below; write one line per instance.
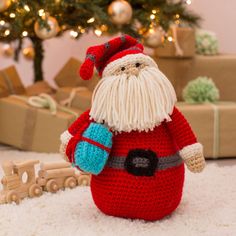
(141, 162)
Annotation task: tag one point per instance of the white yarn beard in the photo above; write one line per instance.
(126, 103)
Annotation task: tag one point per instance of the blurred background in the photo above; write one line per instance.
(217, 16)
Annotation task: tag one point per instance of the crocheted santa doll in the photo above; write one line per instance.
(133, 140)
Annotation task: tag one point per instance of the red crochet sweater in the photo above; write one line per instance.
(119, 193)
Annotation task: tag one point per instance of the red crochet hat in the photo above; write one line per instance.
(103, 55)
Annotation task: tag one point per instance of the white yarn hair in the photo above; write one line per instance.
(128, 102)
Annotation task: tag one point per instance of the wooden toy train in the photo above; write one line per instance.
(20, 180)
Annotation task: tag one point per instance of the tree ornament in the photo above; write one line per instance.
(47, 33)
(120, 12)
(7, 50)
(201, 90)
(104, 28)
(4, 4)
(29, 53)
(154, 37)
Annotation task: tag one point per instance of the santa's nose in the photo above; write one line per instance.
(133, 71)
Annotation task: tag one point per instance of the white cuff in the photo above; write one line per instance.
(191, 151)
(65, 137)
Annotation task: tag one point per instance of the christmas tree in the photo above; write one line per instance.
(40, 20)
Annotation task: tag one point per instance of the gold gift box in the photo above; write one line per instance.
(214, 126)
(221, 68)
(81, 100)
(10, 82)
(30, 128)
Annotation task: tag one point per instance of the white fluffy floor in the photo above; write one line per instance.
(208, 207)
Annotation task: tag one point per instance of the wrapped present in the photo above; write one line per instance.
(182, 45)
(214, 125)
(79, 97)
(91, 154)
(68, 76)
(30, 128)
(38, 88)
(10, 82)
(176, 70)
(221, 68)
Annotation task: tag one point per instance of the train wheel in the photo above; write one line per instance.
(13, 196)
(35, 190)
(70, 182)
(84, 180)
(52, 186)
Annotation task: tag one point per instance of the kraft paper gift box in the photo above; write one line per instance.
(68, 76)
(186, 40)
(30, 128)
(214, 125)
(10, 82)
(81, 99)
(221, 68)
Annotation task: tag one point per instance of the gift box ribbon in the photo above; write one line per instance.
(216, 131)
(67, 102)
(47, 102)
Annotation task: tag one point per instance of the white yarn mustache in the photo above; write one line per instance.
(126, 103)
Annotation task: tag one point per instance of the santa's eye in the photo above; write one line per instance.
(122, 68)
(137, 64)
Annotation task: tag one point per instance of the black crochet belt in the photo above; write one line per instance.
(143, 162)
